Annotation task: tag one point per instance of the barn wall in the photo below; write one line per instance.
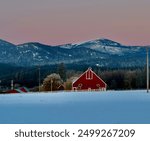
(84, 83)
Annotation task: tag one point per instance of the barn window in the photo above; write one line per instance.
(98, 85)
(79, 86)
(89, 75)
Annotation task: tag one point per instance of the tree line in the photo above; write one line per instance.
(115, 78)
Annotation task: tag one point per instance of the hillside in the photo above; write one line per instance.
(100, 52)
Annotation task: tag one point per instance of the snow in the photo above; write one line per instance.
(46, 57)
(26, 45)
(4, 52)
(105, 46)
(80, 43)
(26, 51)
(35, 47)
(109, 49)
(35, 54)
(98, 65)
(76, 107)
(20, 46)
(66, 46)
(96, 41)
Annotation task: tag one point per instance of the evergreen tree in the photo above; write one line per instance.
(62, 71)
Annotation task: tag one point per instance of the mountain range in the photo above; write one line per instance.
(99, 52)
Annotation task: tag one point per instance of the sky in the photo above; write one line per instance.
(56, 22)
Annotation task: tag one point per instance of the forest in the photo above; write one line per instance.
(115, 78)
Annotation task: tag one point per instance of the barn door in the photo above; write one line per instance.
(89, 89)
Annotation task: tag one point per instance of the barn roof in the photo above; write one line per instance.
(18, 90)
(89, 69)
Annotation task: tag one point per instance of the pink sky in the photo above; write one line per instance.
(69, 21)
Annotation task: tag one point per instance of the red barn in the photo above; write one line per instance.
(89, 80)
(19, 90)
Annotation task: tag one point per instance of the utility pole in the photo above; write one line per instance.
(51, 85)
(12, 84)
(39, 78)
(147, 62)
(0, 84)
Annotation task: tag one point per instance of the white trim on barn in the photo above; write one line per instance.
(89, 76)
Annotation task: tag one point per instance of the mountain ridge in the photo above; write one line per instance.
(100, 51)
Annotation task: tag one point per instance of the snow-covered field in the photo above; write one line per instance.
(76, 107)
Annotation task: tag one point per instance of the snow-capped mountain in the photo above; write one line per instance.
(108, 46)
(100, 52)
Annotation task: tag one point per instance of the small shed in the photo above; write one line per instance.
(61, 88)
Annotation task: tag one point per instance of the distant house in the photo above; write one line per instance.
(89, 80)
(61, 87)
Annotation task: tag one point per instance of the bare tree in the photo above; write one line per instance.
(52, 82)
